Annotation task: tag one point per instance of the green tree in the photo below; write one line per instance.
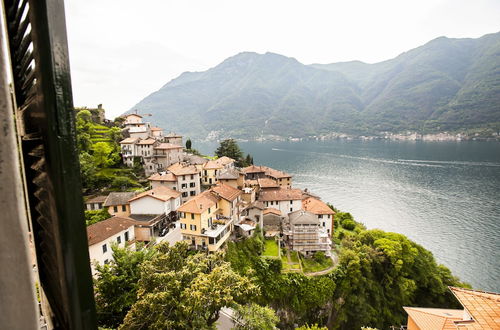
(255, 317)
(231, 149)
(115, 135)
(311, 327)
(188, 144)
(116, 284)
(96, 216)
(87, 169)
(179, 290)
(103, 154)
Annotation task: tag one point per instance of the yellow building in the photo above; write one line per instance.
(118, 204)
(212, 168)
(207, 220)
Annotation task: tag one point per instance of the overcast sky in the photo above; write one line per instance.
(123, 50)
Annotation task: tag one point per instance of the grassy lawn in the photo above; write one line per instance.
(310, 265)
(284, 263)
(271, 248)
(294, 255)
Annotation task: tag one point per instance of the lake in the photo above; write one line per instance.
(443, 195)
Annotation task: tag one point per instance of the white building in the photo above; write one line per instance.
(321, 210)
(283, 199)
(181, 177)
(159, 200)
(166, 154)
(102, 235)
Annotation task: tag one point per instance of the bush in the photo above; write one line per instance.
(319, 257)
(348, 224)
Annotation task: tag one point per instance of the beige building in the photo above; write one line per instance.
(207, 220)
(173, 139)
(253, 172)
(322, 211)
(95, 203)
(212, 168)
(303, 233)
(181, 177)
(284, 199)
(102, 235)
(118, 204)
(166, 154)
(232, 177)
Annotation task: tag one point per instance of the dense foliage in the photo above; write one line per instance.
(377, 274)
(95, 216)
(446, 84)
(181, 290)
(116, 285)
(231, 149)
(99, 155)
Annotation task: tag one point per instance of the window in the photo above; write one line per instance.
(192, 227)
(119, 239)
(175, 188)
(192, 184)
(192, 177)
(126, 236)
(184, 185)
(320, 216)
(124, 208)
(183, 226)
(192, 193)
(291, 209)
(106, 261)
(192, 216)
(205, 172)
(324, 224)
(209, 210)
(115, 209)
(291, 202)
(104, 248)
(183, 178)
(184, 194)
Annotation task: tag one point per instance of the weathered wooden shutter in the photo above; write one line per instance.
(39, 57)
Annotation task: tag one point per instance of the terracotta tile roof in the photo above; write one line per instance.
(281, 194)
(218, 163)
(251, 183)
(119, 198)
(199, 203)
(103, 230)
(226, 191)
(228, 174)
(253, 169)
(173, 135)
(170, 177)
(96, 199)
(483, 307)
(147, 141)
(195, 159)
(301, 217)
(156, 128)
(128, 140)
(167, 146)
(316, 206)
(182, 169)
(271, 210)
(434, 318)
(276, 174)
(162, 193)
(267, 183)
(133, 114)
(212, 165)
(224, 160)
(257, 205)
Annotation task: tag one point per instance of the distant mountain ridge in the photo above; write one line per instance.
(446, 84)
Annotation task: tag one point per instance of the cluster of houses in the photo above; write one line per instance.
(203, 201)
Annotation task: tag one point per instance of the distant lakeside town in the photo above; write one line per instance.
(389, 136)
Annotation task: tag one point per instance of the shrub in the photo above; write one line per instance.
(319, 257)
(348, 224)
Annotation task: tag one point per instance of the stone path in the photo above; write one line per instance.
(335, 260)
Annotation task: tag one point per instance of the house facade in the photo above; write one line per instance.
(283, 199)
(166, 154)
(303, 233)
(254, 172)
(181, 177)
(212, 168)
(118, 204)
(102, 235)
(207, 220)
(322, 211)
(95, 203)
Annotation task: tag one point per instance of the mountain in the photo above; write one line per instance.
(446, 84)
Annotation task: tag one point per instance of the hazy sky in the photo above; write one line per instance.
(123, 50)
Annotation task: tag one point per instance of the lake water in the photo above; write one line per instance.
(443, 195)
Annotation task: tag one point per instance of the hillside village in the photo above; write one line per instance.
(205, 202)
(210, 202)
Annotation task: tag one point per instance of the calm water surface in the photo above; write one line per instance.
(443, 195)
